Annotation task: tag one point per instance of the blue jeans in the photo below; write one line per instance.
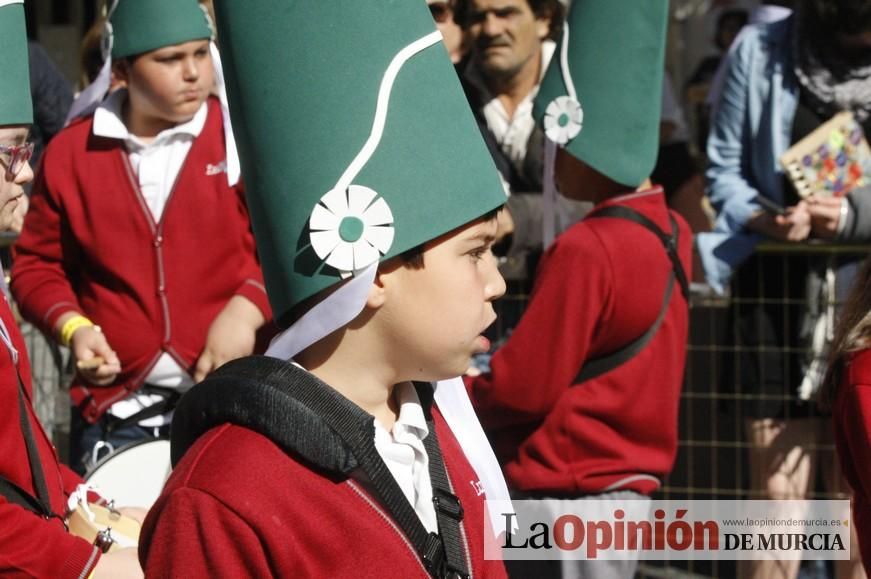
(89, 442)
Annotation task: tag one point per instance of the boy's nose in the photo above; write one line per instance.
(495, 287)
(191, 70)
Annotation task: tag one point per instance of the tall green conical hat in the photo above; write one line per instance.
(15, 104)
(601, 96)
(355, 138)
(140, 26)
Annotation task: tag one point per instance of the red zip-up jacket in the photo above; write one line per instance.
(237, 505)
(31, 546)
(599, 287)
(91, 245)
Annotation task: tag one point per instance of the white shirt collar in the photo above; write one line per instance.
(410, 418)
(109, 123)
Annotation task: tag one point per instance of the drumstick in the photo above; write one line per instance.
(91, 364)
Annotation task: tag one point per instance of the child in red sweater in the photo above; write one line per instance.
(847, 391)
(34, 488)
(137, 252)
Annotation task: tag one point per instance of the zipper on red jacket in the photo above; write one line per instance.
(390, 522)
(157, 237)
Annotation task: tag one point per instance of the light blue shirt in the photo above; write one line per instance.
(751, 129)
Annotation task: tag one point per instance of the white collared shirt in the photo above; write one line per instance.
(511, 132)
(405, 456)
(156, 165)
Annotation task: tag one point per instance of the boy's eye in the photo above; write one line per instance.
(479, 254)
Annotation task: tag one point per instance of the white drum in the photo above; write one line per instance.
(133, 476)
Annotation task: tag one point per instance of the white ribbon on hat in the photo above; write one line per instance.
(347, 302)
(8, 2)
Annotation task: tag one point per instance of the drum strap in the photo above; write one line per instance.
(302, 415)
(170, 396)
(41, 504)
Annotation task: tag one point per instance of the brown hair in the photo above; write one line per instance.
(551, 9)
(852, 333)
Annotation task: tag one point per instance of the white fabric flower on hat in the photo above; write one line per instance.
(351, 229)
(563, 119)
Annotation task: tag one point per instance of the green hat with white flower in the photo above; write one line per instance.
(16, 107)
(140, 26)
(600, 98)
(356, 140)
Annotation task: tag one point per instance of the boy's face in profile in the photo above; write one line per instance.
(15, 173)
(169, 84)
(437, 313)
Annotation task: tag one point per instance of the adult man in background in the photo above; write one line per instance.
(510, 44)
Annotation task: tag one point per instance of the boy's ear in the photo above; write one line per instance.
(377, 293)
(121, 72)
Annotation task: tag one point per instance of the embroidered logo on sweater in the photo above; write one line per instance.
(479, 488)
(212, 170)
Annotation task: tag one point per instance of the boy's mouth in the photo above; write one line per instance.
(483, 344)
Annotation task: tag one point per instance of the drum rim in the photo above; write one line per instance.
(118, 451)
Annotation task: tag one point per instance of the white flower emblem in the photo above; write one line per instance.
(563, 120)
(351, 229)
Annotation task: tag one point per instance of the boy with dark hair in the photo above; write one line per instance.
(137, 252)
(582, 400)
(337, 456)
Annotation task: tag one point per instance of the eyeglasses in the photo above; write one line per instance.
(18, 157)
(441, 11)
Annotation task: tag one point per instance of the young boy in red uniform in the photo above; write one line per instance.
(33, 486)
(582, 400)
(373, 202)
(137, 252)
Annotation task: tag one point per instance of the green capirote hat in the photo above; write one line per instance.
(140, 26)
(355, 138)
(601, 96)
(16, 107)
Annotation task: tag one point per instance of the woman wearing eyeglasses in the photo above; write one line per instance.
(34, 487)
(454, 38)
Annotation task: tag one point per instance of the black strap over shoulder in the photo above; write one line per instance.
(41, 503)
(599, 366)
(308, 418)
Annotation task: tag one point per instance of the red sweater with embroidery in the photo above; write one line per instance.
(31, 546)
(599, 287)
(237, 505)
(91, 245)
(851, 418)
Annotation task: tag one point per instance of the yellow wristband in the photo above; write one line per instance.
(71, 325)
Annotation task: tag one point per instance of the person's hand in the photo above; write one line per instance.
(96, 361)
(794, 225)
(120, 564)
(231, 335)
(825, 215)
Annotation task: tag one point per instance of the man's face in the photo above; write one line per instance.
(505, 36)
(11, 190)
(435, 315)
(171, 83)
